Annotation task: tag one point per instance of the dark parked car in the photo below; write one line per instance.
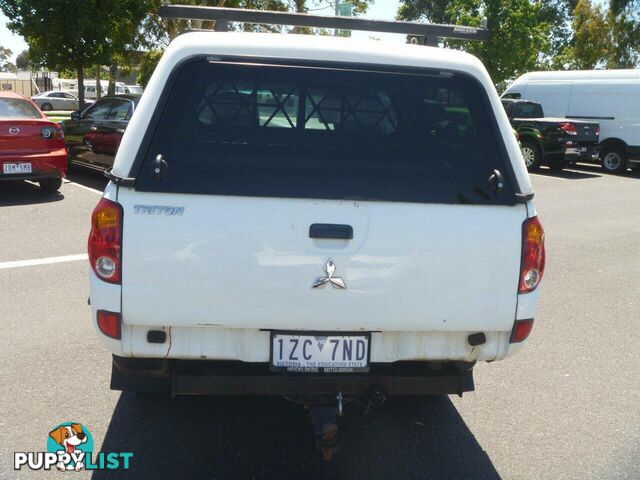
(93, 135)
(556, 142)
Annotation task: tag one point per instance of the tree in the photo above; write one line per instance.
(23, 60)
(518, 40)
(148, 64)
(591, 37)
(126, 35)
(5, 64)
(603, 38)
(73, 34)
(624, 22)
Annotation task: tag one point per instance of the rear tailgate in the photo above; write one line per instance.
(257, 154)
(586, 132)
(249, 263)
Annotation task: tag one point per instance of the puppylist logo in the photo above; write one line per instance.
(70, 447)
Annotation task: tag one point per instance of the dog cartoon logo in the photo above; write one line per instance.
(72, 439)
(70, 447)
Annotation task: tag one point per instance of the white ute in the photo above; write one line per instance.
(314, 217)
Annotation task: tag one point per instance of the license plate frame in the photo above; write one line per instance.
(315, 337)
(17, 168)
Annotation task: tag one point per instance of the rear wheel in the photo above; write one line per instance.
(613, 159)
(46, 107)
(50, 185)
(531, 154)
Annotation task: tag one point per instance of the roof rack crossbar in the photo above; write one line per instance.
(431, 31)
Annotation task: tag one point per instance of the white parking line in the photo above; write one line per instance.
(542, 175)
(82, 186)
(43, 261)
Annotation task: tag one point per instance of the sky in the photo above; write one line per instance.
(381, 9)
(8, 40)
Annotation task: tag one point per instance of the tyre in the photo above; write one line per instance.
(50, 185)
(532, 155)
(613, 159)
(46, 107)
(557, 162)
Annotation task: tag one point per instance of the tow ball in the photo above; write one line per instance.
(325, 427)
(324, 418)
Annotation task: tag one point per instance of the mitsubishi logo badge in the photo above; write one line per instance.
(330, 269)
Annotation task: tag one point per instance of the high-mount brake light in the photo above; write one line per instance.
(105, 241)
(533, 255)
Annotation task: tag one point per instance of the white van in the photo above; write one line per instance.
(609, 97)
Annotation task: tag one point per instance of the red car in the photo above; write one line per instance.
(31, 146)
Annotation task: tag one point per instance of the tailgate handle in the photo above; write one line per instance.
(331, 230)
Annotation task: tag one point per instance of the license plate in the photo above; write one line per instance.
(320, 352)
(583, 149)
(12, 168)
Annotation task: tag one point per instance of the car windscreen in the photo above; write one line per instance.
(327, 133)
(17, 108)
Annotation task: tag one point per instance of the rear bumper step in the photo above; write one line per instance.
(204, 377)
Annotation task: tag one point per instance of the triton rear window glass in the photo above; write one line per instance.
(324, 132)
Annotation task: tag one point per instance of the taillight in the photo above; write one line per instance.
(521, 330)
(598, 131)
(568, 128)
(105, 241)
(109, 324)
(533, 255)
(52, 133)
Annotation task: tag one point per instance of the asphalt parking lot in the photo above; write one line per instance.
(566, 407)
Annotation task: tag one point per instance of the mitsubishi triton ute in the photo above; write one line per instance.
(324, 219)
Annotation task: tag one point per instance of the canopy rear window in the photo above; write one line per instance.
(319, 132)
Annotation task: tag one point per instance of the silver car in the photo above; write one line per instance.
(55, 100)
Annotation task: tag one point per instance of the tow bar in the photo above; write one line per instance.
(324, 418)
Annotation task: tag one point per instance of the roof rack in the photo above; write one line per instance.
(414, 30)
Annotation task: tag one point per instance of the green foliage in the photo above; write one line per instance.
(624, 21)
(75, 34)
(148, 64)
(603, 38)
(5, 64)
(23, 60)
(591, 37)
(518, 38)
(536, 35)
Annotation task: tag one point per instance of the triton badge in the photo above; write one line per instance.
(330, 269)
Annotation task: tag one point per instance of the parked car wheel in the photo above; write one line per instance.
(531, 154)
(613, 159)
(557, 162)
(50, 185)
(46, 107)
